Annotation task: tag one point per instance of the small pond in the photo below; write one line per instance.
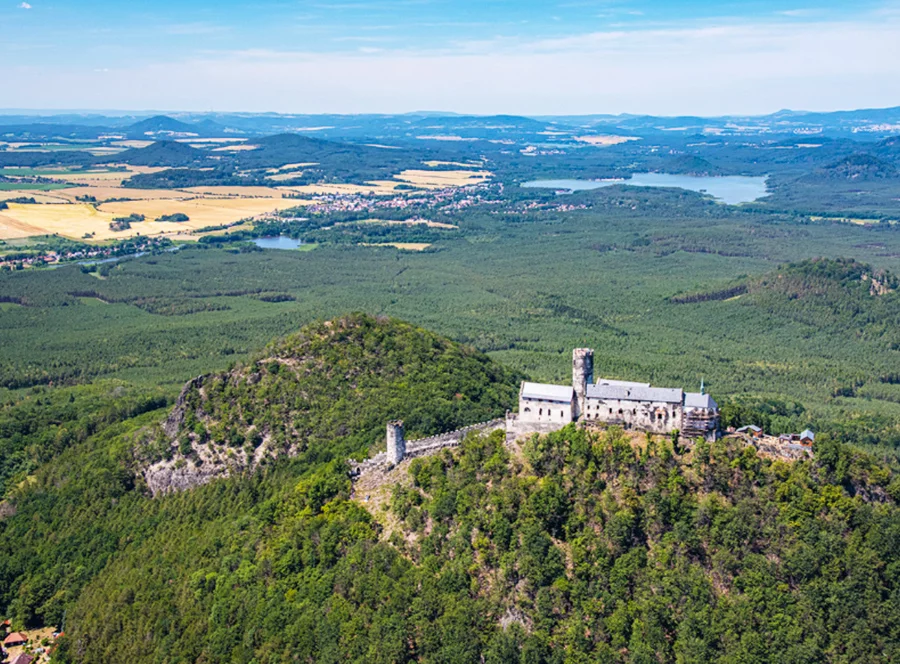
(277, 242)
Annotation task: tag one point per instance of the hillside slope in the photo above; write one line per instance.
(333, 386)
(587, 548)
(79, 503)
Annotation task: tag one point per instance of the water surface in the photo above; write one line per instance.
(277, 242)
(731, 189)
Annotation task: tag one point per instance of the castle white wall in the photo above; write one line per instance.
(652, 416)
(539, 411)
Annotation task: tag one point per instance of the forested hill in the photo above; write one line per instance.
(326, 391)
(847, 297)
(585, 548)
(577, 548)
(840, 294)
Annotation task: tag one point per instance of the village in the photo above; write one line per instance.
(33, 258)
(27, 647)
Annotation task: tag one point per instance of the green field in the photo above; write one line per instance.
(32, 186)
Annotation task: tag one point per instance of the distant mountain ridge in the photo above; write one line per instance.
(860, 124)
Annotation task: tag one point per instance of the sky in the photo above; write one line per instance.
(528, 57)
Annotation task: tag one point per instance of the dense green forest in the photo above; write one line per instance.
(577, 547)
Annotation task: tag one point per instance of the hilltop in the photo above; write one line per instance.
(327, 390)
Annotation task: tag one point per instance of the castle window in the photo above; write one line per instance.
(610, 411)
(541, 411)
(620, 411)
(562, 413)
(527, 410)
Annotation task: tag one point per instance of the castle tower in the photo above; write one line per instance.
(396, 442)
(582, 376)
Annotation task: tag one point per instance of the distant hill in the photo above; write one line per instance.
(335, 159)
(160, 153)
(851, 298)
(858, 166)
(163, 125)
(49, 132)
(691, 165)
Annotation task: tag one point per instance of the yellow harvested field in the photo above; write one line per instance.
(293, 167)
(69, 220)
(202, 211)
(106, 178)
(232, 148)
(441, 179)
(282, 177)
(406, 246)
(48, 197)
(245, 192)
(132, 144)
(77, 219)
(606, 140)
(13, 229)
(849, 220)
(102, 193)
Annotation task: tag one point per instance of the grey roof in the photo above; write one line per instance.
(751, 427)
(697, 400)
(806, 433)
(636, 393)
(622, 383)
(544, 392)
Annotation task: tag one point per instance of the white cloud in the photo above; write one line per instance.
(24, 5)
(716, 69)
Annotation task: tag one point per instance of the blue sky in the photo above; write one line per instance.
(482, 56)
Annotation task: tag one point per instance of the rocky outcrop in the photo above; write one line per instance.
(180, 475)
(173, 422)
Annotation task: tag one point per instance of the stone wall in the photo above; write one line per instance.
(425, 446)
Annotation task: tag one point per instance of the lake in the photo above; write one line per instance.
(731, 189)
(277, 242)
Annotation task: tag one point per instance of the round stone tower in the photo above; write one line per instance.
(582, 376)
(396, 442)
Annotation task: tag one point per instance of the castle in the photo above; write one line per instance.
(544, 408)
(640, 406)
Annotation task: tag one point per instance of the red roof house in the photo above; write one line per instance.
(23, 659)
(15, 639)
